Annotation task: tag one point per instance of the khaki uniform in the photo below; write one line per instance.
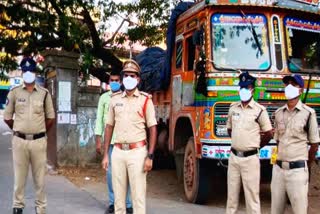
(292, 137)
(130, 122)
(29, 111)
(246, 124)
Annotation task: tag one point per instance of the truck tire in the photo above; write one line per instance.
(196, 178)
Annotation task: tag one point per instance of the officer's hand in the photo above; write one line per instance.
(105, 162)
(98, 150)
(309, 162)
(147, 165)
(98, 146)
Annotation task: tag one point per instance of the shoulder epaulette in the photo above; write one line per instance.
(16, 87)
(234, 103)
(146, 94)
(309, 109)
(117, 93)
(260, 106)
(42, 88)
(281, 108)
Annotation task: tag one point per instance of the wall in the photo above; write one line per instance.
(70, 143)
(87, 108)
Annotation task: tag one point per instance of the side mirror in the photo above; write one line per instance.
(197, 37)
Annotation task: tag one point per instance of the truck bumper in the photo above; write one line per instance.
(223, 152)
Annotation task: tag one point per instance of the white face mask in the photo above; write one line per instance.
(291, 92)
(130, 83)
(245, 94)
(29, 77)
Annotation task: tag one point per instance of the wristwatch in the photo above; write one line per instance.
(150, 156)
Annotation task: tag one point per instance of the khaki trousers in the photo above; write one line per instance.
(291, 182)
(25, 153)
(247, 170)
(127, 165)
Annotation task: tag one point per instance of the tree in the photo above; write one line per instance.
(29, 26)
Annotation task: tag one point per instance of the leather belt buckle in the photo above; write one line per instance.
(240, 154)
(125, 146)
(29, 136)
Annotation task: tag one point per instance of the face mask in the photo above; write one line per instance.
(291, 92)
(245, 94)
(130, 83)
(115, 86)
(29, 77)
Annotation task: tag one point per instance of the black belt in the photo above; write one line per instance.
(30, 136)
(244, 154)
(292, 164)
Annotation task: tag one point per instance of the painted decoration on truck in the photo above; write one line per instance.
(223, 152)
(262, 2)
(301, 24)
(206, 118)
(256, 2)
(313, 2)
(255, 19)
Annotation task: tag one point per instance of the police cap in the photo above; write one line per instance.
(245, 79)
(28, 64)
(131, 66)
(294, 78)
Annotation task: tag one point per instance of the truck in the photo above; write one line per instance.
(211, 42)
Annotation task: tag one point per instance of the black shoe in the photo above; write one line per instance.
(129, 210)
(17, 210)
(110, 209)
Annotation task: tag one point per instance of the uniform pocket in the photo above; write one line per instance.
(37, 107)
(20, 107)
(297, 126)
(249, 122)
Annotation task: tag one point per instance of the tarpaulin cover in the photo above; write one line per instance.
(151, 62)
(155, 63)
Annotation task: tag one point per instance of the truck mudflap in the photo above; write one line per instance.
(223, 152)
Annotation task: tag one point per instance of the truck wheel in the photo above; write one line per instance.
(196, 178)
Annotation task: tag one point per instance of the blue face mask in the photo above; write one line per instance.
(115, 86)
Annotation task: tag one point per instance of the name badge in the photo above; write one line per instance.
(235, 116)
(119, 104)
(21, 100)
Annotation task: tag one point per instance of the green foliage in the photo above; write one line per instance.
(7, 63)
(28, 27)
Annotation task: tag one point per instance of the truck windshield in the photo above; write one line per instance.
(303, 41)
(234, 43)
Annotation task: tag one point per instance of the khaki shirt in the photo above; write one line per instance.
(245, 126)
(291, 134)
(29, 109)
(126, 115)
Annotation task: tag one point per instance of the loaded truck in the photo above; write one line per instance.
(209, 43)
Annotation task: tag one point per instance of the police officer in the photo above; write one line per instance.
(102, 111)
(29, 112)
(250, 129)
(295, 126)
(130, 112)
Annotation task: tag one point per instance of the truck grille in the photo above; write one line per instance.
(221, 109)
